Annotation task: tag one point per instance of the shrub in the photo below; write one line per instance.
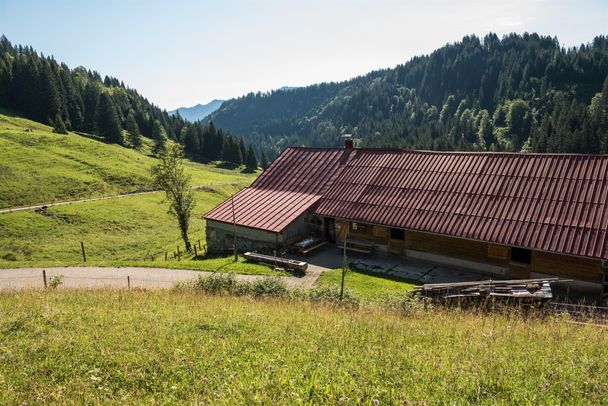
(408, 303)
(270, 286)
(9, 257)
(216, 283)
(330, 294)
(55, 281)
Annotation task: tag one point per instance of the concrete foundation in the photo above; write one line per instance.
(220, 239)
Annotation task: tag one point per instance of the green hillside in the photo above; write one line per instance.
(135, 230)
(39, 166)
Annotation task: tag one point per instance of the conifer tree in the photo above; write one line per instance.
(251, 163)
(59, 125)
(133, 135)
(160, 138)
(108, 124)
(242, 149)
(90, 101)
(264, 161)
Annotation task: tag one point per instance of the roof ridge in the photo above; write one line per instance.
(428, 151)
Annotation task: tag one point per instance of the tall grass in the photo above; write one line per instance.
(185, 347)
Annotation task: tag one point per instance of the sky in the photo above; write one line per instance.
(183, 52)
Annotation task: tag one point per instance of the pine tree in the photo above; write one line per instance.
(108, 124)
(49, 100)
(90, 102)
(242, 149)
(190, 140)
(251, 163)
(264, 161)
(59, 125)
(160, 138)
(231, 152)
(133, 135)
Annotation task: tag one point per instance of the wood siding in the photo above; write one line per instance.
(448, 246)
(564, 266)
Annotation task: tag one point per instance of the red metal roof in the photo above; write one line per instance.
(548, 202)
(291, 185)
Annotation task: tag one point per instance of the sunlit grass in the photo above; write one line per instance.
(367, 284)
(173, 347)
(39, 166)
(131, 231)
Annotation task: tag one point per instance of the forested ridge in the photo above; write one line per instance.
(516, 93)
(40, 88)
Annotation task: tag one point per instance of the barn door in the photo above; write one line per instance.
(396, 241)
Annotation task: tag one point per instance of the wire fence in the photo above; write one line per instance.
(57, 278)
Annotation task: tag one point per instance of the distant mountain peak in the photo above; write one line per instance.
(199, 111)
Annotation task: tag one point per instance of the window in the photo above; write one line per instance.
(358, 227)
(521, 255)
(397, 234)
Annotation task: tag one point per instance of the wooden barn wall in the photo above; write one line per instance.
(589, 270)
(448, 246)
(297, 228)
(368, 232)
(564, 266)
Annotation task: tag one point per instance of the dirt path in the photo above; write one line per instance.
(92, 199)
(139, 277)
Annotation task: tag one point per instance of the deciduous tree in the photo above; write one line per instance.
(169, 176)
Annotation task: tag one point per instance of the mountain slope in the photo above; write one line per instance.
(198, 112)
(39, 166)
(41, 89)
(516, 93)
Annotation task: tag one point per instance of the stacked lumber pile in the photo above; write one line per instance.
(524, 290)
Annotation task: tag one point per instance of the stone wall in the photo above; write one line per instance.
(220, 238)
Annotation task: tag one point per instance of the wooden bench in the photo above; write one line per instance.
(361, 247)
(313, 247)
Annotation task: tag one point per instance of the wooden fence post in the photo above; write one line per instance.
(84, 257)
(44, 277)
(128, 282)
(165, 255)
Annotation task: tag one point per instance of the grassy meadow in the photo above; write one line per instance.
(39, 166)
(130, 231)
(88, 347)
(367, 285)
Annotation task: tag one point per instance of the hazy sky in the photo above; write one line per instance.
(179, 53)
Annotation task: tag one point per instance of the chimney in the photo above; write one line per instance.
(348, 141)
